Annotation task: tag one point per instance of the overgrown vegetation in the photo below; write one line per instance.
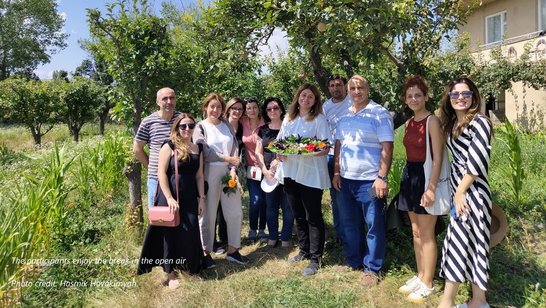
(49, 201)
(94, 234)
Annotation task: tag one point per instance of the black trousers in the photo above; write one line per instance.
(306, 205)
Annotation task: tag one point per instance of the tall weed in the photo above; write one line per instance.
(514, 170)
(32, 213)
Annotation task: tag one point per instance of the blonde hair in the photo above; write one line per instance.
(316, 109)
(208, 99)
(176, 138)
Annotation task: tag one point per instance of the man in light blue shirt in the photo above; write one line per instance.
(363, 156)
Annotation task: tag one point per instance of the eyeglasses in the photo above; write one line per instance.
(456, 94)
(272, 108)
(236, 109)
(186, 126)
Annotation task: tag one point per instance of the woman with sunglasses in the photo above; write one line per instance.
(221, 152)
(465, 254)
(251, 122)
(273, 111)
(177, 248)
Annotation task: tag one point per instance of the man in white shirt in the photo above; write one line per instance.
(336, 107)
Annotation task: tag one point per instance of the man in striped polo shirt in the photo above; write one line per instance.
(153, 131)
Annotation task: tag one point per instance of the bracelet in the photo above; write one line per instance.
(336, 173)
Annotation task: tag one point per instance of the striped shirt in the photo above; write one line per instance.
(154, 131)
(361, 135)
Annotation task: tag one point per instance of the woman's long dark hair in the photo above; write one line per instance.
(447, 113)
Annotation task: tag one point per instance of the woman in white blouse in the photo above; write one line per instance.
(306, 176)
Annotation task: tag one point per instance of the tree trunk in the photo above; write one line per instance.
(347, 63)
(36, 135)
(103, 116)
(76, 135)
(133, 172)
(316, 61)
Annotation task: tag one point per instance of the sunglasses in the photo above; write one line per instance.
(456, 94)
(186, 126)
(272, 108)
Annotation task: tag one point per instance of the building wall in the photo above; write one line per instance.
(522, 105)
(521, 18)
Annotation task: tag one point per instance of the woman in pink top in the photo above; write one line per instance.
(251, 122)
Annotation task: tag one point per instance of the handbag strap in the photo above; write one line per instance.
(176, 174)
(427, 137)
(157, 187)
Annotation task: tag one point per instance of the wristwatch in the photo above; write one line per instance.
(384, 178)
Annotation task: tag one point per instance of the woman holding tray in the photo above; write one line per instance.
(306, 176)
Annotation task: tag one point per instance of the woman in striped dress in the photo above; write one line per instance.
(465, 254)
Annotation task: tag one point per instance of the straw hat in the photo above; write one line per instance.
(499, 226)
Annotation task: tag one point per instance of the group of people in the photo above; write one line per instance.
(355, 169)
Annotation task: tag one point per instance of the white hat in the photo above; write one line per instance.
(268, 185)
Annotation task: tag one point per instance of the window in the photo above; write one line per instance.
(541, 15)
(495, 27)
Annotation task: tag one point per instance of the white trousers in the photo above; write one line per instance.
(231, 208)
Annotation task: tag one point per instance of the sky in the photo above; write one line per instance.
(76, 27)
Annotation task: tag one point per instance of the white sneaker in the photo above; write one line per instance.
(419, 295)
(410, 286)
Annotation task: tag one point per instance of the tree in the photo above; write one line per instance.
(96, 70)
(81, 98)
(390, 39)
(61, 76)
(134, 45)
(204, 61)
(33, 103)
(29, 31)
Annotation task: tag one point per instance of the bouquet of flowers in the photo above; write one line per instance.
(297, 145)
(230, 185)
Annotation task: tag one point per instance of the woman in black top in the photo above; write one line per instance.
(177, 248)
(273, 111)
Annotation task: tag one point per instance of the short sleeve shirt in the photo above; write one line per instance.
(361, 135)
(267, 135)
(154, 131)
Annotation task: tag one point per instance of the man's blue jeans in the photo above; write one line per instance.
(275, 200)
(152, 185)
(363, 219)
(335, 202)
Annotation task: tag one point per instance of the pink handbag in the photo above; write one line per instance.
(161, 214)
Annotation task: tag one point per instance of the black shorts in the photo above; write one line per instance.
(412, 187)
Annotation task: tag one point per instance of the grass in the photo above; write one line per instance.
(99, 232)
